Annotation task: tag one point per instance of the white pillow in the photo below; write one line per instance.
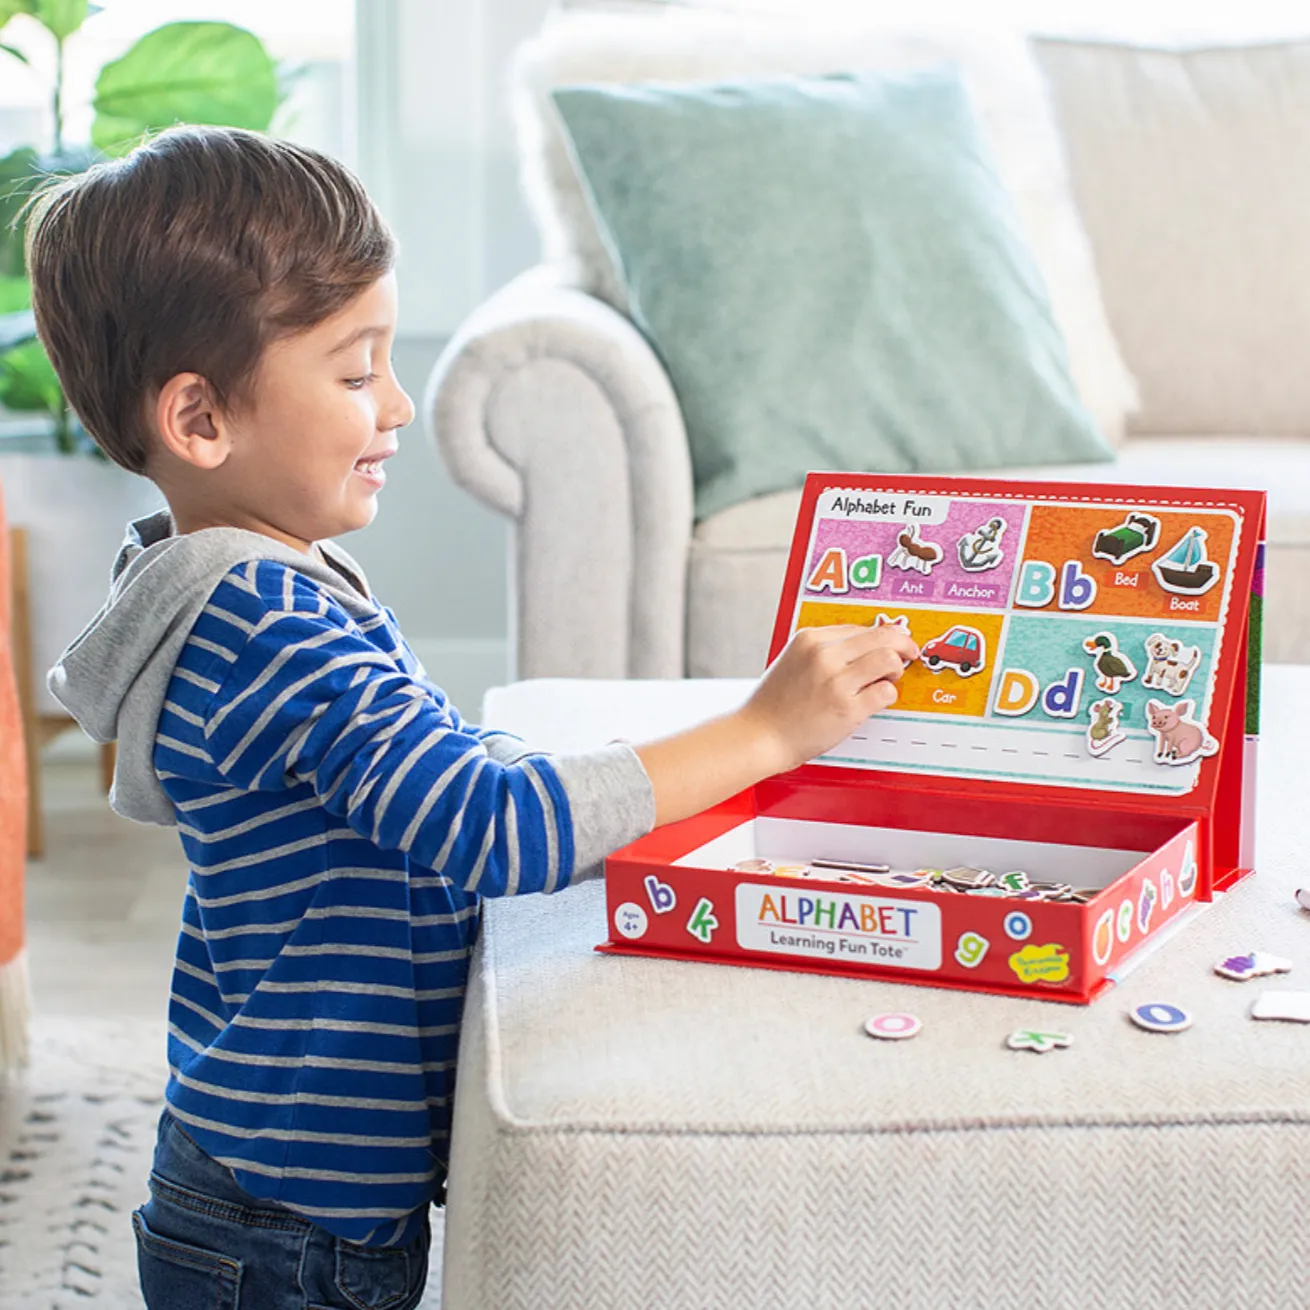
(1192, 168)
(672, 44)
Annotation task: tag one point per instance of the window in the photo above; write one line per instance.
(312, 39)
(1128, 19)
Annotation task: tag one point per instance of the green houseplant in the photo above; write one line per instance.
(74, 508)
(188, 72)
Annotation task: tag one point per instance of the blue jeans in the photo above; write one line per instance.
(204, 1244)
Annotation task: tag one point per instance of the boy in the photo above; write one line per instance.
(220, 308)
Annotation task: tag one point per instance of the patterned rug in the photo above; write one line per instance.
(76, 1134)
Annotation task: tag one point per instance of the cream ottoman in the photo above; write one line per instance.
(638, 1134)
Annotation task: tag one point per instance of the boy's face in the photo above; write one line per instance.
(304, 459)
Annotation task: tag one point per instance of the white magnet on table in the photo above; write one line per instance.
(1294, 1007)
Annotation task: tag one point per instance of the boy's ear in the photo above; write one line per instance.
(190, 422)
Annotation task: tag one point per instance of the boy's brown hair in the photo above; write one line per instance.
(190, 255)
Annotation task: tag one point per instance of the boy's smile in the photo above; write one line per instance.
(304, 459)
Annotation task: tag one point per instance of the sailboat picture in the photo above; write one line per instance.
(1185, 569)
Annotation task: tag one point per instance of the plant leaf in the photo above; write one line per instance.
(16, 329)
(28, 381)
(15, 296)
(17, 178)
(61, 17)
(8, 8)
(16, 52)
(185, 73)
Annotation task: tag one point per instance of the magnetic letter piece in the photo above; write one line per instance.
(1027, 1039)
(1077, 589)
(702, 925)
(1104, 733)
(1255, 964)
(1015, 881)
(1184, 569)
(1137, 533)
(1016, 692)
(866, 573)
(1303, 897)
(1036, 584)
(1169, 664)
(1113, 667)
(830, 575)
(1293, 1007)
(1179, 739)
(980, 549)
(662, 896)
(893, 1027)
(1160, 1017)
(1060, 699)
(971, 949)
(1018, 926)
(912, 554)
(630, 920)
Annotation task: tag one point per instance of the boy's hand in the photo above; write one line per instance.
(817, 692)
(825, 683)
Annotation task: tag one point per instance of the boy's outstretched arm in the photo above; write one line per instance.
(301, 696)
(815, 694)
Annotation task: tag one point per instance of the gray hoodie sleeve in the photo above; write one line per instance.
(611, 800)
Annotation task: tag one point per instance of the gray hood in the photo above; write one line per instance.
(112, 679)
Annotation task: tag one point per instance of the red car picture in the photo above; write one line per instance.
(962, 649)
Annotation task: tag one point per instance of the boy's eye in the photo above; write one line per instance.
(357, 384)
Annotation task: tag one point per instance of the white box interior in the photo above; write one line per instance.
(797, 841)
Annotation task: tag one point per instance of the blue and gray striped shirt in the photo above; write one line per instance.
(341, 823)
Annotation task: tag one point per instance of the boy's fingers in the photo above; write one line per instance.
(880, 663)
(878, 696)
(896, 639)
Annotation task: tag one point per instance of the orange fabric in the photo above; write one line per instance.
(13, 772)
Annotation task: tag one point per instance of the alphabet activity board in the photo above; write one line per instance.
(1068, 768)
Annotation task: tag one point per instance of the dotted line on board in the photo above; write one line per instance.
(1009, 497)
(1004, 750)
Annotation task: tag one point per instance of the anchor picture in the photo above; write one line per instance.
(1185, 569)
(980, 549)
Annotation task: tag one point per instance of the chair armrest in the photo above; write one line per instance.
(549, 406)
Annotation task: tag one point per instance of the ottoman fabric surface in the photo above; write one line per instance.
(640, 1133)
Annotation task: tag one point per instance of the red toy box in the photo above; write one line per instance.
(1068, 770)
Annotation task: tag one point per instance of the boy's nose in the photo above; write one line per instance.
(400, 413)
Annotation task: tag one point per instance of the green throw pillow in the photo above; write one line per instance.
(833, 275)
